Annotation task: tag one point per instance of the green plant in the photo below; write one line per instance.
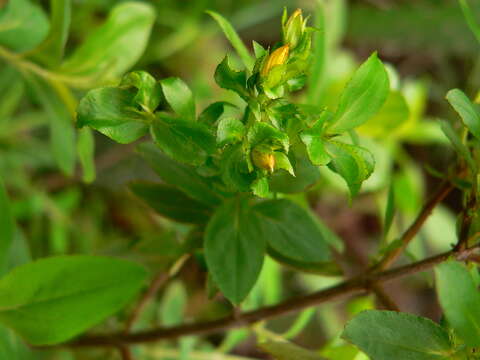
(237, 174)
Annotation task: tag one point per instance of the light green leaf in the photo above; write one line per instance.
(149, 92)
(50, 51)
(179, 96)
(7, 227)
(182, 176)
(52, 300)
(466, 109)
(290, 231)
(23, 25)
(460, 148)
(62, 132)
(172, 203)
(282, 162)
(86, 154)
(262, 133)
(113, 112)
(387, 335)
(116, 45)
(314, 142)
(229, 79)
(234, 39)
(363, 96)
(284, 350)
(173, 303)
(354, 163)
(213, 112)
(183, 140)
(234, 248)
(460, 300)
(229, 131)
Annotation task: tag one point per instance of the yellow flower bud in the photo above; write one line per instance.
(263, 160)
(278, 57)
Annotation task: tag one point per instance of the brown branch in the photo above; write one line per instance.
(413, 230)
(349, 287)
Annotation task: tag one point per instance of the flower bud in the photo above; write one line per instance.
(278, 57)
(263, 159)
(294, 29)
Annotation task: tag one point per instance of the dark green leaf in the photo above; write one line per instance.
(387, 335)
(234, 168)
(363, 96)
(460, 148)
(116, 45)
(327, 268)
(52, 300)
(354, 163)
(290, 231)
(50, 51)
(234, 39)
(234, 248)
(229, 130)
(179, 97)
(149, 91)
(284, 350)
(182, 176)
(172, 203)
(184, 140)
(7, 227)
(213, 111)
(62, 131)
(230, 79)
(466, 109)
(460, 300)
(23, 25)
(113, 112)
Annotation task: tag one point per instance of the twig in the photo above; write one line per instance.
(413, 230)
(349, 287)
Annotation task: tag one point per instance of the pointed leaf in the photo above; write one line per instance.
(179, 97)
(466, 109)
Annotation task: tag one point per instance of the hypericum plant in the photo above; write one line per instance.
(229, 173)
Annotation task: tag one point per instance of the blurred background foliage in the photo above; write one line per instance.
(62, 208)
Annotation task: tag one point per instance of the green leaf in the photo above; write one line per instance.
(466, 109)
(363, 96)
(7, 227)
(234, 248)
(386, 335)
(234, 169)
(314, 142)
(50, 51)
(173, 304)
(113, 112)
(229, 131)
(282, 162)
(234, 39)
(62, 131)
(149, 92)
(325, 268)
(264, 134)
(229, 79)
(460, 300)
(183, 140)
(52, 300)
(172, 203)
(354, 163)
(23, 25)
(290, 231)
(179, 96)
(86, 154)
(116, 45)
(460, 148)
(182, 176)
(213, 111)
(284, 350)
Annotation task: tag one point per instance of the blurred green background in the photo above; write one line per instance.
(426, 41)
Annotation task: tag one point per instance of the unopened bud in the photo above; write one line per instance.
(278, 57)
(294, 29)
(263, 160)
